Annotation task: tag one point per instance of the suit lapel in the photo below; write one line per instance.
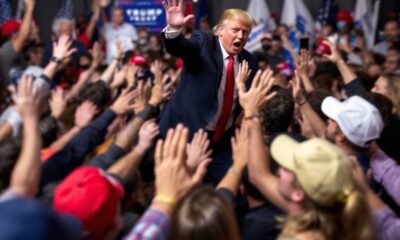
(218, 59)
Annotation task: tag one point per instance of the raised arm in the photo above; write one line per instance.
(303, 70)
(176, 44)
(83, 116)
(23, 34)
(240, 151)
(126, 166)
(318, 125)
(252, 102)
(26, 174)
(347, 74)
(61, 49)
(109, 72)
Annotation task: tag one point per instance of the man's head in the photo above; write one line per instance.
(93, 197)
(392, 61)
(316, 169)
(278, 113)
(234, 28)
(64, 26)
(391, 31)
(356, 119)
(117, 16)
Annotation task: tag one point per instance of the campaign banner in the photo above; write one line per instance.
(148, 14)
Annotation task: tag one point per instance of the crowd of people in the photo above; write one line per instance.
(110, 132)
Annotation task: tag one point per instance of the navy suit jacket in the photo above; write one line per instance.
(195, 101)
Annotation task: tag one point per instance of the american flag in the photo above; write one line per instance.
(5, 11)
(66, 10)
(327, 13)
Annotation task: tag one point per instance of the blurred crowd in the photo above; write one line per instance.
(315, 154)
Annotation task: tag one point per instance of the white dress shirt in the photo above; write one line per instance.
(221, 90)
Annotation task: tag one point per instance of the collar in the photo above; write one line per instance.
(225, 54)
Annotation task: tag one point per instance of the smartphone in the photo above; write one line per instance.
(304, 43)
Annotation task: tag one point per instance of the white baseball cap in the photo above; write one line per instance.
(358, 119)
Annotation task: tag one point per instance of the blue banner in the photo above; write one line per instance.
(144, 14)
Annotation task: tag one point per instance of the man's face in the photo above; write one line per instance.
(391, 31)
(331, 131)
(117, 17)
(65, 29)
(285, 183)
(391, 63)
(233, 36)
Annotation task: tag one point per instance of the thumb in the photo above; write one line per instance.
(188, 18)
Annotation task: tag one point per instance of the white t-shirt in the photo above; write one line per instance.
(126, 33)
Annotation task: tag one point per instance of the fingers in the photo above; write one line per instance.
(158, 153)
(167, 144)
(188, 18)
(200, 172)
(165, 5)
(256, 79)
(182, 145)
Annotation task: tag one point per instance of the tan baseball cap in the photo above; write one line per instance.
(322, 170)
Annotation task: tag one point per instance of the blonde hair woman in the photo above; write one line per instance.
(316, 178)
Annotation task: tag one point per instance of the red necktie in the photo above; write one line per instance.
(228, 101)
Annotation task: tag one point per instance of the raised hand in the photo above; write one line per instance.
(131, 74)
(119, 49)
(297, 89)
(173, 178)
(27, 100)
(303, 66)
(29, 4)
(147, 133)
(58, 102)
(197, 151)
(334, 56)
(161, 89)
(240, 147)
(61, 48)
(256, 97)
(142, 96)
(124, 102)
(85, 113)
(119, 77)
(174, 10)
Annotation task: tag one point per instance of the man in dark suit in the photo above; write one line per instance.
(207, 96)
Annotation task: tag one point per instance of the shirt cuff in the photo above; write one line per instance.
(171, 34)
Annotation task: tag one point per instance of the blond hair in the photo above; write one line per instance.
(234, 13)
(349, 219)
(393, 89)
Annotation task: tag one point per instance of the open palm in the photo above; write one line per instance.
(175, 14)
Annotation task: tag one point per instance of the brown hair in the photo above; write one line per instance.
(234, 13)
(204, 214)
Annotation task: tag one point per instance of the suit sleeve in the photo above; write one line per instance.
(181, 47)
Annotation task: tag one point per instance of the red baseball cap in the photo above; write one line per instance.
(92, 196)
(344, 15)
(9, 27)
(138, 60)
(322, 48)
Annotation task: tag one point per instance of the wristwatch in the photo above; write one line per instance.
(55, 60)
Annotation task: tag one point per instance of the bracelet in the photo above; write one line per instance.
(252, 117)
(148, 112)
(164, 199)
(234, 171)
